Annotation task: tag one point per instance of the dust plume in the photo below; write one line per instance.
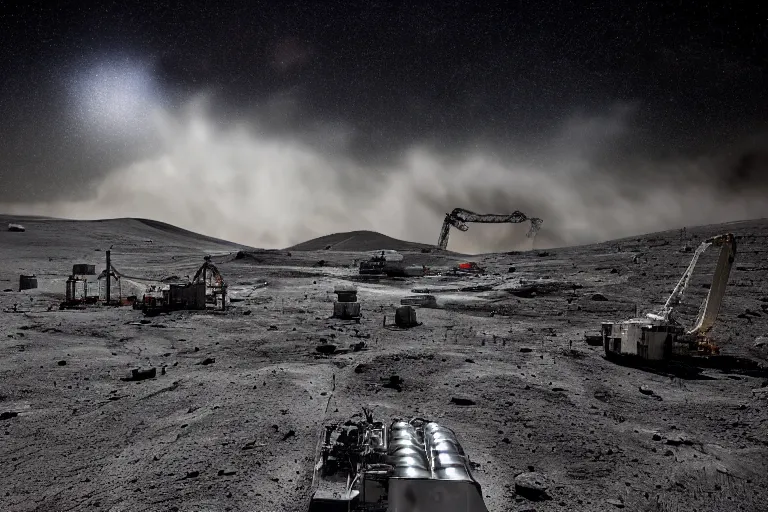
(238, 183)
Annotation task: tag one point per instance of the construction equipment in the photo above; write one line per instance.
(406, 465)
(459, 217)
(374, 265)
(388, 263)
(659, 336)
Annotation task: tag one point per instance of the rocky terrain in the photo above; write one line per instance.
(231, 420)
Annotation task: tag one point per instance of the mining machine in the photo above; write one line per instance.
(459, 218)
(659, 336)
(402, 465)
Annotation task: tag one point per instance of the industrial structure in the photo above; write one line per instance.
(77, 286)
(404, 466)
(659, 336)
(215, 287)
(109, 281)
(207, 289)
(459, 217)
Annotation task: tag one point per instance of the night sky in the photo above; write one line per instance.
(364, 83)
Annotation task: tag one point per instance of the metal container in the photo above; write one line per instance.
(83, 269)
(27, 282)
(346, 310)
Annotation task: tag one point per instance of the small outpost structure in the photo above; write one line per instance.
(346, 306)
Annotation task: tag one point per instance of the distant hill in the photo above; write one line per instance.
(354, 241)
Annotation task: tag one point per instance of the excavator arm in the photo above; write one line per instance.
(459, 218)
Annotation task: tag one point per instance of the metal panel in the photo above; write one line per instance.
(439, 495)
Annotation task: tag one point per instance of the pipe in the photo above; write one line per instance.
(109, 275)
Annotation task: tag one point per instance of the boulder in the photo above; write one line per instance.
(531, 485)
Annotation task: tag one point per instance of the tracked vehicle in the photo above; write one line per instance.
(402, 466)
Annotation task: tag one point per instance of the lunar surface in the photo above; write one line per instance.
(231, 420)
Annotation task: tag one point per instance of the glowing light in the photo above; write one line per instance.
(116, 97)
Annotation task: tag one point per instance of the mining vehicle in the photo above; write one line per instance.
(403, 466)
(659, 337)
(387, 264)
(374, 265)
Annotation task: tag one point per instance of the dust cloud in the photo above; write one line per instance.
(237, 183)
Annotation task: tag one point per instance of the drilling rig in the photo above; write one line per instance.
(659, 336)
(459, 217)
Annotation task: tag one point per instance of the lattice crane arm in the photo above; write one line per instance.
(711, 305)
(459, 217)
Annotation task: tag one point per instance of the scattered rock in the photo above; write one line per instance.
(395, 382)
(360, 368)
(599, 297)
(532, 486)
(62, 363)
(226, 473)
(677, 440)
(289, 435)
(144, 321)
(656, 437)
(272, 328)
(646, 390)
(8, 415)
(616, 503)
(525, 350)
(761, 341)
(207, 361)
(462, 401)
(138, 374)
(511, 270)
(192, 474)
(253, 444)
(326, 348)
(247, 312)
(469, 360)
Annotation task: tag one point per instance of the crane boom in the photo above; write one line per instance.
(711, 305)
(459, 217)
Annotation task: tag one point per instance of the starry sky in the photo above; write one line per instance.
(88, 90)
